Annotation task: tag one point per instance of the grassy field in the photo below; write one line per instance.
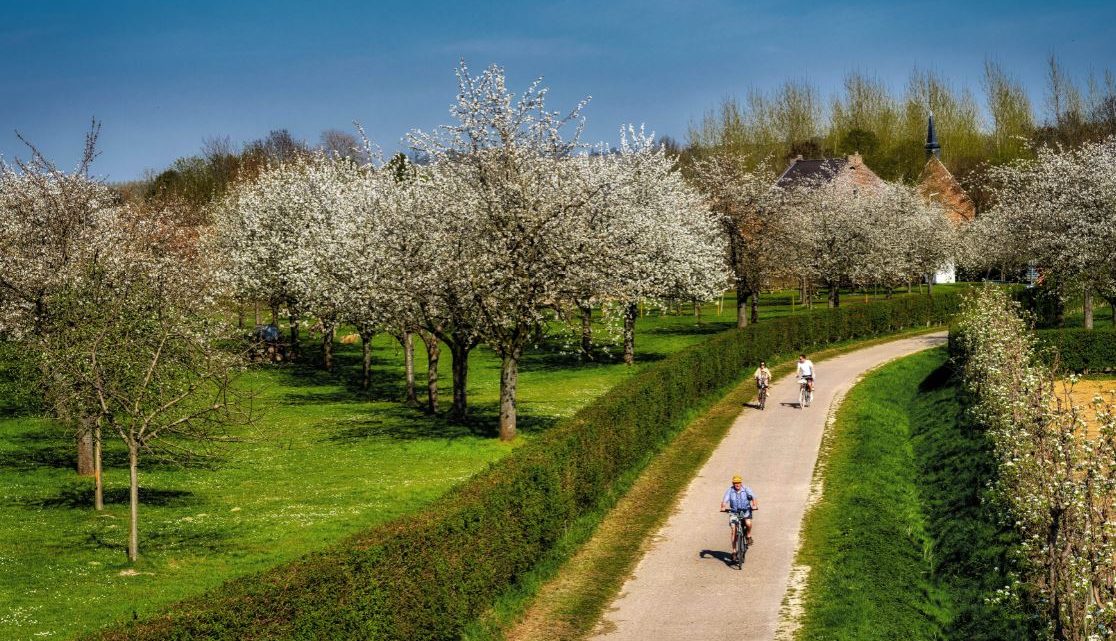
(324, 460)
(901, 544)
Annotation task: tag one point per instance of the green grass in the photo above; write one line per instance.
(1102, 318)
(324, 460)
(902, 545)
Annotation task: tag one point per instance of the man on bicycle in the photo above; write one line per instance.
(762, 375)
(763, 380)
(739, 500)
(806, 371)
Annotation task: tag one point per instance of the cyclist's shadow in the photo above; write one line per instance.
(723, 557)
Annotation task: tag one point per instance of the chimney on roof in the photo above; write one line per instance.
(932, 147)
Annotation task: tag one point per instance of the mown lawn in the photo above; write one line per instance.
(903, 544)
(323, 460)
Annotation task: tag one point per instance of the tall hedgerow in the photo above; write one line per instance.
(1056, 481)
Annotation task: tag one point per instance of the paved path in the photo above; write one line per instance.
(682, 588)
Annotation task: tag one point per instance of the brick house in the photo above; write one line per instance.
(935, 183)
(849, 170)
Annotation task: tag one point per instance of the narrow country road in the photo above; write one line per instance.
(682, 588)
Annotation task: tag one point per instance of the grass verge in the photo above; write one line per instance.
(566, 594)
(901, 544)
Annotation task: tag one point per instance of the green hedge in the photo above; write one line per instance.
(1079, 350)
(427, 575)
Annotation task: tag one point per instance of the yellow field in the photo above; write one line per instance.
(1084, 391)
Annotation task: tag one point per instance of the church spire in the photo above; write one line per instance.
(932, 146)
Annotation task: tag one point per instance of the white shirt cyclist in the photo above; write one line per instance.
(806, 368)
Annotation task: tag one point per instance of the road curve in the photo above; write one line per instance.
(682, 588)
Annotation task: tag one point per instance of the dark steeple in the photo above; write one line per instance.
(932, 146)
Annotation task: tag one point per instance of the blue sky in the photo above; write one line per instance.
(163, 76)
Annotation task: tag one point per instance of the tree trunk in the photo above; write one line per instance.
(98, 469)
(240, 314)
(256, 312)
(834, 296)
(460, 354)
(755, 307)
(433, 354)
(697, 312)
(366, 358)
(294, 335)
(741, 304)
(586, 330)
(85, 455)
(133, 503)
(629, 333)
(275, 315)
(407, 340)
(327, 345)
(1088, 302)
(509, 378)
(930, 285)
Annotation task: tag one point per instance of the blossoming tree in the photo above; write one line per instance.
(1057, 212)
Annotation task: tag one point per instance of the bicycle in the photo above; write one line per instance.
(740, 547)
(762, 396)
(805, 394)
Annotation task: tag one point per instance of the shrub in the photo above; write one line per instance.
(1044, 303)
(427, 575)
(1082, 351)
(1053, 480)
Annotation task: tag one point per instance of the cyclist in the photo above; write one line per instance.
(763, 380)
(762, 375)
(739, 498)
(806, 371)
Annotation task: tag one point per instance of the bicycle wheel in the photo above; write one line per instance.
(801, 396)
(809, 396)
(762, 397)
(741, 546)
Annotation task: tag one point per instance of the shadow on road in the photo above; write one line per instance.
(723, 557)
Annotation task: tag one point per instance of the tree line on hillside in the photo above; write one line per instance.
(994, 125)
(888, 130)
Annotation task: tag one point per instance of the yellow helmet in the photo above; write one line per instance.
(737, 479)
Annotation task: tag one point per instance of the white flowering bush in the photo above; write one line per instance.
(1056, 481)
